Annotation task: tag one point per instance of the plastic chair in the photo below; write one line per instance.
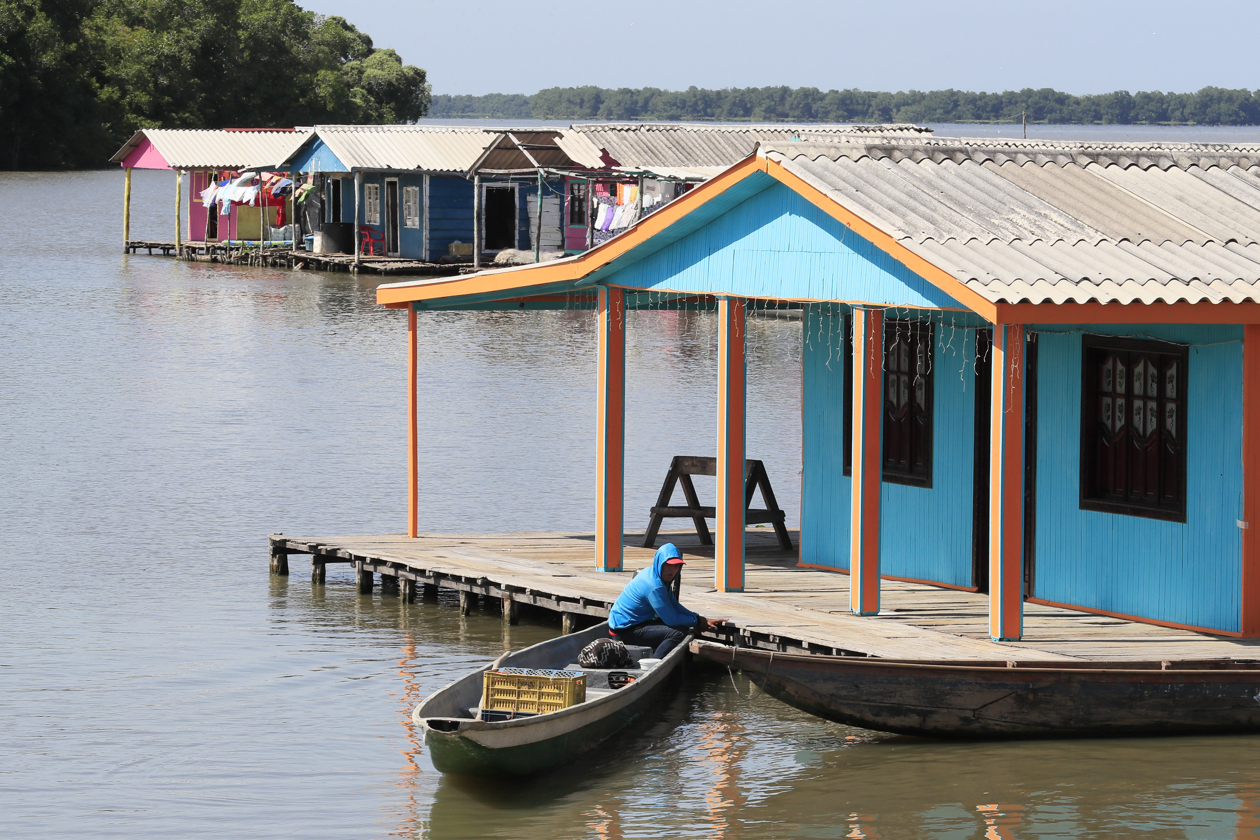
(371, 240)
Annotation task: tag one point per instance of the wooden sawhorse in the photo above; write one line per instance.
(682, 468)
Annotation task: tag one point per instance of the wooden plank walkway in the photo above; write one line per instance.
(785, 607)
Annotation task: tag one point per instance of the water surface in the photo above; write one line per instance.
(158, 419)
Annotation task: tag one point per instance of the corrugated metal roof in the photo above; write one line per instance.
(427, 148)
(518, 151)
(637, 146)
(1035, 222)
(214, 148)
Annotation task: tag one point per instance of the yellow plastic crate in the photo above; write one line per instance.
(532, 691)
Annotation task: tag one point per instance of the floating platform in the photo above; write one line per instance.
(785, 607)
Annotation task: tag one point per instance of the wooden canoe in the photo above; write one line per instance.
(1056, 699)
(460, 743)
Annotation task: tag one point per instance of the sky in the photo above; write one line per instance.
(500, 46)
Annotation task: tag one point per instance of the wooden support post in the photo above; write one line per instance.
(1250, 601)
(389, 584)
(428, 591)
(126, 208)
(610, 430)
(279, 561)
(538, 232)
(465, 602)
(408, 593)
(318, 570)
(590, 214)
(1006, 485)
(364, 578)
(510, 608)
(358, 246)
(179, 200)
(731, 431)
(568, 623)
(413, 439)
(476, 255)
(424, 242)
(867, 459)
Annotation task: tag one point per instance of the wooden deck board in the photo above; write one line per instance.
(783, 603)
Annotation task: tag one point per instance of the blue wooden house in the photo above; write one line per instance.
(1030, 369)
(404, 191)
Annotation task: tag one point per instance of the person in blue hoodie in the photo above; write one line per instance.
(647, 613)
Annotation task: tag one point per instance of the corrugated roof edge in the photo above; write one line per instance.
(980, 150)
(824, 128)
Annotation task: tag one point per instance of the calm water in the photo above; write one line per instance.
(158, 419)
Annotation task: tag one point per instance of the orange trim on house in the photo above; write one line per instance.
(868, 409)
(1128, 313)
(575, 269)
(731, 444)
(610, 431)
(1006, 483)
(1139, 619)
(1250, 600)
(413, 440)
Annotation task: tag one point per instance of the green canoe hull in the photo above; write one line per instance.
(458, 754)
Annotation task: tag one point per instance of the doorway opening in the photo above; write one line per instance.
(391, 217)
(500, 218)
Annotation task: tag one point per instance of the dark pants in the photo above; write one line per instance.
(654, 634)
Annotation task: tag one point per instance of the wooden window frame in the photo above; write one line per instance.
(585, 200)
(922, 478)
(411, 207)
(371, 204)
(1090, 499)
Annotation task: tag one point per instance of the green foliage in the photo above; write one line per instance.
(77, 77)
(1210, 106)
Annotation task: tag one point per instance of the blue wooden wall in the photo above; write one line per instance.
(410, 240)
(925, 533)
(1184, 573)
(450, 213)
(777, 244)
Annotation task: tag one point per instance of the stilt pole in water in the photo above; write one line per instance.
(413, 445)
(509, 609)
(126, 208)
(179, 198)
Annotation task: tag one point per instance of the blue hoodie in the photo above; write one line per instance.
(647, 598)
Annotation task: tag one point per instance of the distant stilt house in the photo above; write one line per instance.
(406, 191)
(1029, 369)
(210, 157)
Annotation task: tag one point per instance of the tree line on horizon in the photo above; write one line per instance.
(1209, 106)
(78, 77)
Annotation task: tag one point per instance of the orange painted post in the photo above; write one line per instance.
(1006, 485)
(413, 440)
(1250, 619)
(610, 431)
(868, 468)
(731, 432)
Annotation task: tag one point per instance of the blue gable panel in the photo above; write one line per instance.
(317, 157)
(925, 533)
(1182, 573)
(776, 244)
(450, 209)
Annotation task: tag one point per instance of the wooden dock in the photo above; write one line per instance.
(784, 607)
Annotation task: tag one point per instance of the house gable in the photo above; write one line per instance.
(776, 244)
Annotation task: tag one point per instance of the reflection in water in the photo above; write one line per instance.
(157, 419)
